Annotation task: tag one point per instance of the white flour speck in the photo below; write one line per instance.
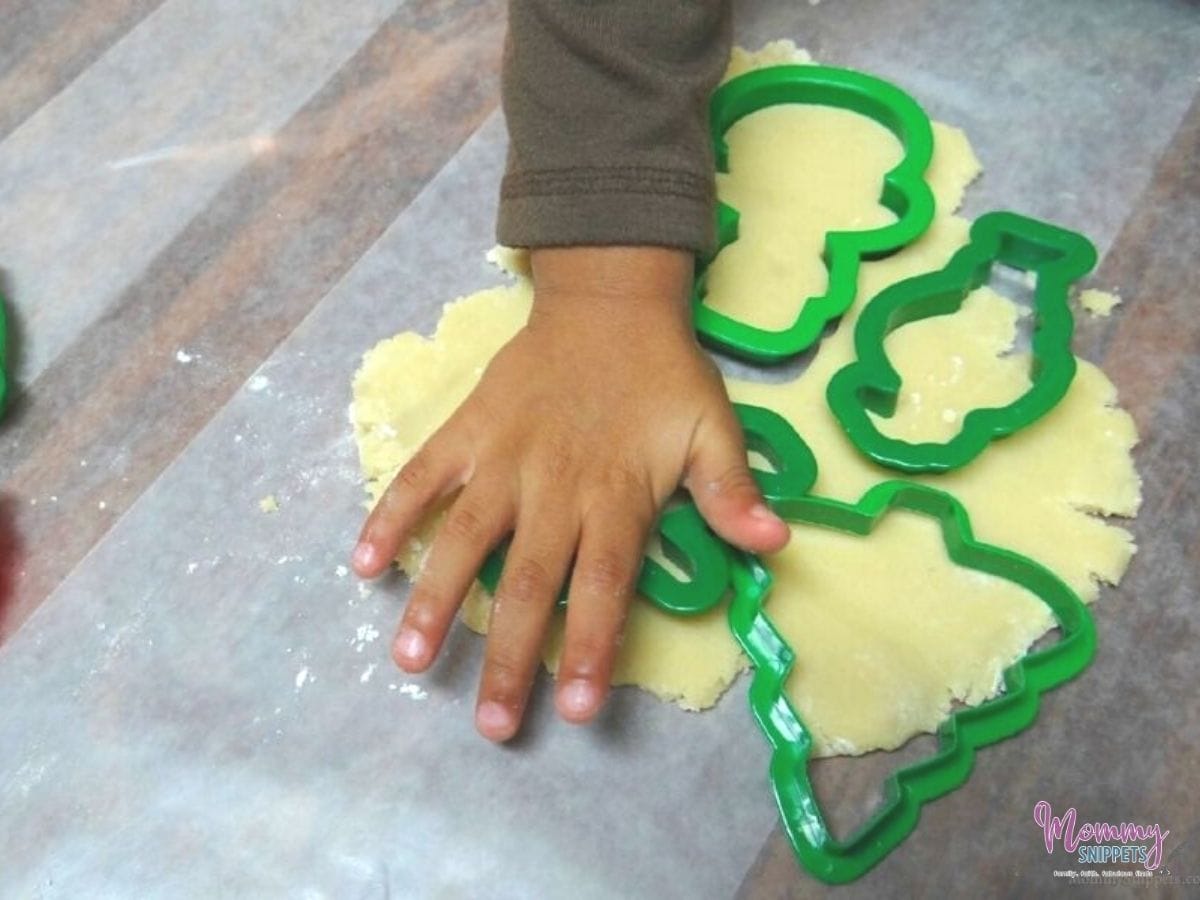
(101, 505)
(192, 567)
(258, 383)
(182, 356)
(363, 635)
(368, 672)
(301, 677)
(341, 571)
(413, 690)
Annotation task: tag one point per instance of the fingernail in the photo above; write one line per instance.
(493, 719)
(411, 645)
(364, 556)
(578, 697)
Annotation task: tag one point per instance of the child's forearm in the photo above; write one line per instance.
(607, 110)
(586, 422)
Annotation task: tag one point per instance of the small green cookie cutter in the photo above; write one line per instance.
(870, 384)
(959, 736)
(686, 540)
(904, 192)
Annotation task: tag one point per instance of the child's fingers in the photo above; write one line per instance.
(719, 480)
(474, 524)
(606, 570)
(434, 471)
(534, 570)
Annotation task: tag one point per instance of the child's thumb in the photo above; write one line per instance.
(719, 480)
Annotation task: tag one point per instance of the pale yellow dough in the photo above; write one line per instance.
(1098, 303)
(887, 632)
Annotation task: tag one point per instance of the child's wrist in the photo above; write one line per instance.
(638, 285)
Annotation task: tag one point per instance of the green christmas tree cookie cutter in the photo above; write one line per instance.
(871, 385)
(904, 192)
(687, 541)
(958, 737)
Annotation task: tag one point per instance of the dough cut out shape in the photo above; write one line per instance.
(1056, 257)
(1033, 492)
(903, 192)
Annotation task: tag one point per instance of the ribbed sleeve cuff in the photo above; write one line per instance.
(607, 206)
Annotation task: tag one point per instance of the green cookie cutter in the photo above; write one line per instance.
(904, 192)
(959, 736)
(871, 385)
(687, 541)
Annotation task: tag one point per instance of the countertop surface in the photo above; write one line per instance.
(210, 209)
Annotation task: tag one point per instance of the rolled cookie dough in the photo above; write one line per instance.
(887, 632)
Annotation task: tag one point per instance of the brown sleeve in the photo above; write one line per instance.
(607, 110)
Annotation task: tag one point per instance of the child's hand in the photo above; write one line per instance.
(581, 428)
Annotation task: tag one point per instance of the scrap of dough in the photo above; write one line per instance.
(268, 504)
(772, 53)
(1098, 303)
(888, 633)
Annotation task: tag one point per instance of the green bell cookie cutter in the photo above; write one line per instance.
(959, 736)
(870, 384)
(904, 192)
(686, 539)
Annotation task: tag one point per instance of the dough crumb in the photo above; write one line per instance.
(1099, 303)
(258, 383)
(513, 260)
(269, 504)
(183, 357)
(772, 53)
